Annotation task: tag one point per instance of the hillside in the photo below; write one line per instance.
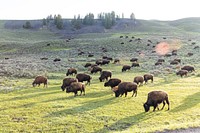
(123, 25)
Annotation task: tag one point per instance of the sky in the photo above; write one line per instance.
(143, 9)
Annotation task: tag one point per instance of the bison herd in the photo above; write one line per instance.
(119, 87)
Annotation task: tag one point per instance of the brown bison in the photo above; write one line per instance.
(174, 62)
(87, 64)
(135, 64)
(134, 60)
(116, 61)
(75, 87)
(105, 75)
(179, 60)
(139, 79)
(67, 82)
(40, 80)
(182, 73)
(112, 82)
(124, 88)
(96, 69)
(161, 60)
(71, 71)
(154, 98)
(158, 63)
(148, 77)
(83, 77)
(188, 68)
(125, 68)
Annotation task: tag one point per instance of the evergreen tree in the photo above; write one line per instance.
(27, 25)
(44, 21)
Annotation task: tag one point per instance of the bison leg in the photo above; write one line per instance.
(134, 92)
(167, 101)
(75, 93)
(81, 93)
(155, 106)
(125, 94)
(163, 105)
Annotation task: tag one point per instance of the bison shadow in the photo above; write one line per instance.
(189, 102)
(125, 123)
(86, 106)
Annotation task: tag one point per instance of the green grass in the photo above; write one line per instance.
(51, 110)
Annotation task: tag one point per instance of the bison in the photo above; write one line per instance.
(112, 82)
(67, 82)
(116, 61)
(71, 71)
(154, 98)
(125, 68)
(96, 69)
(39, 80)
(83, 77)
(135, 64)
(87, 64)
(182, 73)
(134, 60)
(188, 68)
(124, 88)
(139, 79)
(75, 87)
(105, 75)
(174, 62)
(148, 77)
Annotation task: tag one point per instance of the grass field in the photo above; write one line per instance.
(27, 109)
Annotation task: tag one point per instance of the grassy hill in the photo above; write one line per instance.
(27, 109)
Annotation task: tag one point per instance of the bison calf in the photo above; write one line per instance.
(39, 80)
(154, 98)
(139, 79)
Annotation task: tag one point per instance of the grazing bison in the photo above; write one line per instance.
(161, 60)
(179, 60)
(87, 64)
(39, 80)
(182, 73)
(96, 69)
(105, 75)
(188, 68)
(174, 62)
(139, 79)
(154, 98)
(148, 77)
(75, 87)
(189, 54)
(135, 64)
(71, 71)
(125, 68)
(134, 60)
(158, 63)
(116, 61)
(112, 82)
(124, 88)
(56, 59)
(83, 77)
(67, 82)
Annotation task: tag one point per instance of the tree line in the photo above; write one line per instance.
(107, 20)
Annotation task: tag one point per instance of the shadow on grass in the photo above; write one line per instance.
(189, 102)
(29, 95)
(86, 106)
(125, 123)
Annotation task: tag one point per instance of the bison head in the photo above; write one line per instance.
(146, 107)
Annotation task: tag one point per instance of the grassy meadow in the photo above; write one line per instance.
(27, 109)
